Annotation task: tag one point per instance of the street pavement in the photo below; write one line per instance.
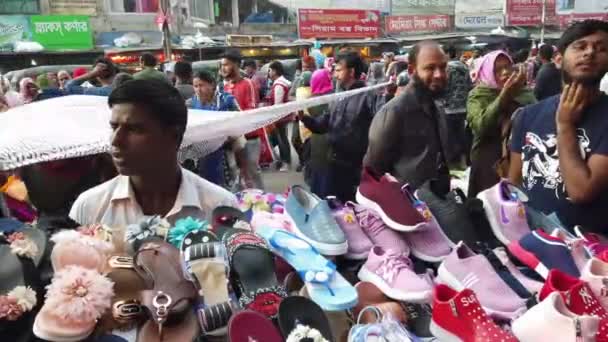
(278, 182)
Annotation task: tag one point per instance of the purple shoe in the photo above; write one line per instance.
(378, 232)
(430, 242)
(504, 207)
(359, 244)
(465, 269)
(394, 275)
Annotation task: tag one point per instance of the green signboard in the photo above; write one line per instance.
(62, 32)
(13, 28)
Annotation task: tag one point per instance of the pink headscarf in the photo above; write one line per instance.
(320, 82)
(23, 89)
(485, 68)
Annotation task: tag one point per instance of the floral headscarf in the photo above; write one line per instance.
(485, 69)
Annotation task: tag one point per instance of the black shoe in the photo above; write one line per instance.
(418, 319)
(451, 213)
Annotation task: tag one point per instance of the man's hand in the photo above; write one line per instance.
(574, 99)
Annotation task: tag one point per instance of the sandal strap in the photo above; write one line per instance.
(238, 240)
(215, 316)
(160, 305)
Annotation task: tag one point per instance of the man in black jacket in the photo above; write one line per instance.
(408, 135)
(549, 77)
(347, 125)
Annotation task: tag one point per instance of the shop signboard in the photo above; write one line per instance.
(13, 28)
(423, 7)
(62, 32)
(417, 23)
(529, 12)
(576, 10)
(338, 23)
(78, 7)
(479, 20)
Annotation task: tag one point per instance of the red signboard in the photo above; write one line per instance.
(529, 12)
(417, 23)
(330, 23)
(567, 19)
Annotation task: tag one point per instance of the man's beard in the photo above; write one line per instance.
(434, 93)
(592, 81)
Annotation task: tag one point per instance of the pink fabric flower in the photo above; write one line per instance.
(15, 236)
(9, 308)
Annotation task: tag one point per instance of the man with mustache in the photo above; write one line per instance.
(559, 147)
(148, 122)
(407, 136)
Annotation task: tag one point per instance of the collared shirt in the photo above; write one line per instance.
(113, 203)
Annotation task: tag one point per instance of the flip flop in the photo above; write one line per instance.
(301, 317)
(207, 265)
(253, 272)
(326, 287)
(248, 326)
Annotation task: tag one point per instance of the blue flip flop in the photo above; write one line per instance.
(325, 286)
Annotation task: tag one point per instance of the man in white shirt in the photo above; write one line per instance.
(148, 123)
(604, 84)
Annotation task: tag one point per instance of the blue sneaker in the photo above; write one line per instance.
(543, 252)
(313, 222)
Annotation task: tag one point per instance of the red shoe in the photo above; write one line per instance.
(577, 295)
(458, 316)
(385, 197)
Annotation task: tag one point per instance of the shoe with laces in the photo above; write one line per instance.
(577, 295)
(565, 325)
(383, 195)
(393, 273)
(378, 232)
(359, 244)
(504, 206)
(543, 252)
(532, 285)
(428, 243)
(465, 269)
(458, 316)
(595, 274)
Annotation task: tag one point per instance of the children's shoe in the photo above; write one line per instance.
(465, 269)
(565, 326)
(393, 273)
(595, 274)
(543, 252)
(359, 243)
(458, 316)
(75, 300)
(378, 232)
(577, 295)
(504, 206)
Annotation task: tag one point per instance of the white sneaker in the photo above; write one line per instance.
(551, 320)
(595, 273)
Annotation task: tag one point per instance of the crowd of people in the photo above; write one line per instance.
(536, 122)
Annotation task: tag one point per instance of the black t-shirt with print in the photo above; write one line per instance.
(534, 136)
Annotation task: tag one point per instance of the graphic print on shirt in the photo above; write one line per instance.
(541, 161)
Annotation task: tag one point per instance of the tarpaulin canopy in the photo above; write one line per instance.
(78, 125)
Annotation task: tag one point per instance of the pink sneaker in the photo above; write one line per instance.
(393, 273)
(428, 243)
(504, 207)
(359, 244)
(378, 232)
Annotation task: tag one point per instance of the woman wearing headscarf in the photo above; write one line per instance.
(500, 91)
(28, 90)
(316, 172)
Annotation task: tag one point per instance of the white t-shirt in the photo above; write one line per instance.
(604, 84)
(113, 203)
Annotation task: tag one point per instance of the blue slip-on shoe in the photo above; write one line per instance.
(313, 222)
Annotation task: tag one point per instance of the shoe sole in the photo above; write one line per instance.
(442, 334)
(494, 224)
(413, 297)
(40, 334)
(529, 259)
(366, 202)
(323, 248)
(445, 277)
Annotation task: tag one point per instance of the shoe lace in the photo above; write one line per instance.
(393, 264)
(372, 223)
